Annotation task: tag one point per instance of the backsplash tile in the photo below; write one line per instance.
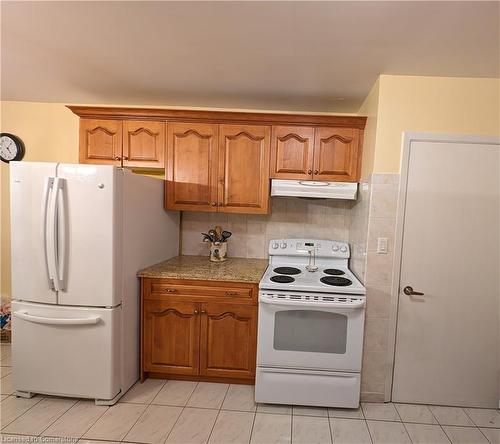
(289, 218)
(358, 216)
(379, 301)
(378, 281)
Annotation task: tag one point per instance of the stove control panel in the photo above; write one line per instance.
(304, 247)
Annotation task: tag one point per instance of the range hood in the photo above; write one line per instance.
(312, 188)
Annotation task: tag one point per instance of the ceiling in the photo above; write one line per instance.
(303, 56)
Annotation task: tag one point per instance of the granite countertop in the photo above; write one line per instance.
(235, 269)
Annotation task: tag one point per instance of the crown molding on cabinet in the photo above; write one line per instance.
(119, 113)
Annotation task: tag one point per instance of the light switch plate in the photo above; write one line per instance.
(382, 245)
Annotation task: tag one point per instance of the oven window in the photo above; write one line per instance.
(310, 331)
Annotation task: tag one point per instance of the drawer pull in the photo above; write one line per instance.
(170, 290)
(196, 312)
(203, 312)
(232, 293)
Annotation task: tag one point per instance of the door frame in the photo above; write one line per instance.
(408, 137)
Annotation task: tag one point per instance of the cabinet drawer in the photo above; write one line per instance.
(165, 289)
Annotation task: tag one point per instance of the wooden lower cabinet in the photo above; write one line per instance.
(226, 348)
(171, 337)
(198, 332)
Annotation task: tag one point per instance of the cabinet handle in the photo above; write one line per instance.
(309, 171)
(196, 312)
(214, 204)
(118, 158)
(125, 157)
(170, 290)
(316, 171)
(221, 204)
(231, 293)
(203, 312)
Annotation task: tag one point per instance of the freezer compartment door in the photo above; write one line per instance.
(32, 255)
(89, 228)
(66, 351)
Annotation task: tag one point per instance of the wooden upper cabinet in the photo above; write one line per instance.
(191, 168)
(100, 141)
(292, 152)
(228, 340)
(143, 144)
(337, 154)
(171, 337)
(244, 152)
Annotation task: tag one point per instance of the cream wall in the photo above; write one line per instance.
(369, 108)
(432, 104)
(50, 133)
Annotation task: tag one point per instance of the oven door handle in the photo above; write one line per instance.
(289, 303)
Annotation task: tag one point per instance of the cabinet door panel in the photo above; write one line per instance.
(100, 141)
(191, 172)
(171, 337)
(292, 152)
(228, 340)
(143, 144)
(244, 152)
(337, 154)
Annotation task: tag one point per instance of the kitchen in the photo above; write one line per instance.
(206, 158)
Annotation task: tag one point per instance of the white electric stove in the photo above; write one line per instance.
(311, 318)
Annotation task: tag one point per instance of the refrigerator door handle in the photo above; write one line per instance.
(23, 314)
(62, 232)
(47, 236)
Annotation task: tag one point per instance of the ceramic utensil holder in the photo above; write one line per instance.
(218, 253)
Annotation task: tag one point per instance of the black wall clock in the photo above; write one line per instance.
(11, 147)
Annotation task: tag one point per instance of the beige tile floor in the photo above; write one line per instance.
(183, 412)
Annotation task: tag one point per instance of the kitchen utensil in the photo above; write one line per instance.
(207, 236)
(213, 235)
(226, 235)
(218, 233)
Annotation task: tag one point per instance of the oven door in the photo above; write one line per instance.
(310, 332)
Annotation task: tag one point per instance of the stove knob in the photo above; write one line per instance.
(275, 245)
(343, 249)
(335, 248)
(283, 245)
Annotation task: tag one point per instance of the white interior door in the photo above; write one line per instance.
(30, 193)
(89, 235)
(447, 342)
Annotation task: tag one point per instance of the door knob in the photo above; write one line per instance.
(409, 291)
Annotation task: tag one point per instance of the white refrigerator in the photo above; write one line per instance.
(79, 234)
